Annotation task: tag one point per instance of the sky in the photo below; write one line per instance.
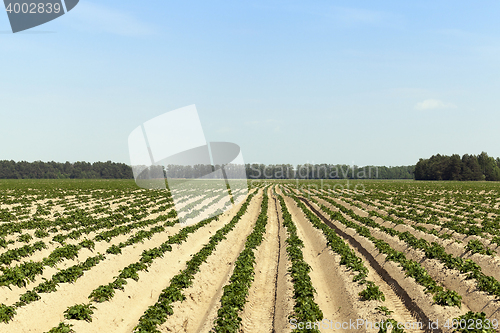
(350, 82)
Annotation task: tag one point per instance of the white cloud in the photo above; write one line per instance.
(96, 17)
(434, 104)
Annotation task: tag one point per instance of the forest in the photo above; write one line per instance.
(327, 171)
(111, 170)
(56, 170)
(454, 167)
(437, 167)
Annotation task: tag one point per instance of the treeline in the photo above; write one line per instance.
(110, 170)
(438, 167)
(204, 170)
(55, 170)
(301, 171)
(454, 167)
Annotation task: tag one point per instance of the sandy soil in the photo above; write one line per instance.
(122, 313)
(451, 279)
(413, 295)
(489, 264)
(337, 296)
(199, 310)
(10, 296)
(284, 287)
(393, 300)
(270, 299)
(44, 314)
(258, 314)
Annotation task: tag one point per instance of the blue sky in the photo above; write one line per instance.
(361, 82)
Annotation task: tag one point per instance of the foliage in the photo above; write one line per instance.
(113, 249)
(469, 167)
(62, 328)
(55, 170)
(20, 275)
(448, 298)
(6, 313)
(102, 293)
(384, 310)
(68, 275)
(28, 297)
(11, 255)
(87, 243)
(80, 312)
(41, 233)
(235, 293)
(158, 313)
(48, 286)
(305, 309)
(475, 322)
(24, 238)
(475, 246)
(372, 292)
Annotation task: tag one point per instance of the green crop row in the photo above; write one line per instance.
(408, 209)
(411, 268)
(24, 251)
(20, 275)
(347, 255)
(430, 231)
(305, 309)
(435, 251)
(106, 292)
(81, 219)
(235, 293)
(158, 313)
(68, 275)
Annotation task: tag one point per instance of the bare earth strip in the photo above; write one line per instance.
(210, 314)
(473, 299)
(336, 294)
(42, 315)
(284, 292)
(122, 313)
(422, 302)
(393, 301)
(199, 310)
(260, 307)
(47, 312)
(111, 265)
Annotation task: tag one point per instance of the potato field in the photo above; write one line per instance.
(291, 256)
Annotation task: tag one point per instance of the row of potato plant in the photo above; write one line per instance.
(412, 268)
(68, 275)
(235, 293)
(15, 275)
(456, 222)
(347, 255)
(305, 308)
(106, 292)
(484, 283)
(158, 313)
